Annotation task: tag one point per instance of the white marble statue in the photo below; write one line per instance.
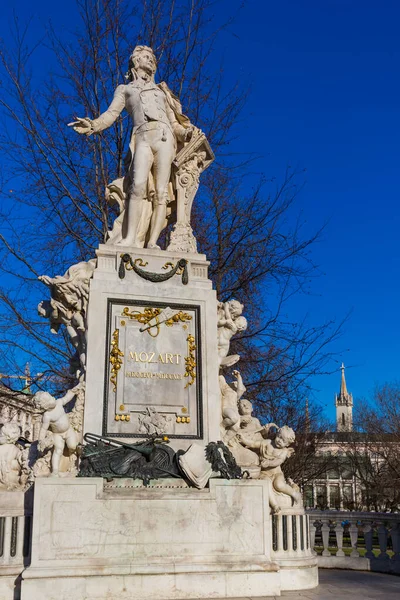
(230, 322)
(57, 421)
(10, 457)
(273, 451)
(160, 132)
(68, 304)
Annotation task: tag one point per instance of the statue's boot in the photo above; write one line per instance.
(157, 224)
(134, 214)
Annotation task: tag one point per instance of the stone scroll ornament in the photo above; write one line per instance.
(127, 264)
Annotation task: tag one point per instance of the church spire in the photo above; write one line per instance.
(344, 406)
(343, 386)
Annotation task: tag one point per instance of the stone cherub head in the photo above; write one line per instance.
(9, 433)
(284, 437)
(235, 310)
(44, 401)
(245, 407)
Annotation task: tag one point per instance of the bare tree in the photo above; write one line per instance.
(53, 206)
(374, 448)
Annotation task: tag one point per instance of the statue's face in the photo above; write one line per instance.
(280, 442)
(245, 407)
(44, 401)
(145, 61)
(235, 308)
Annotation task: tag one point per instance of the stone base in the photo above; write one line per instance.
(95, 542)
(10, 587)
(167, 586)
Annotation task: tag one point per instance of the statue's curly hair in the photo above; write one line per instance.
(132, 65)
(287, 434)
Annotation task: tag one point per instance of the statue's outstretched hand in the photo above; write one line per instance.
(45, 279)
(84, 125)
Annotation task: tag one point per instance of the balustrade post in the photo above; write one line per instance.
(325, 529)
(7, 540)
(353, 531)
(280, 532)
(313, 531)
(383, 538)
(368, 534)
(339, 539)
(395, 535)
(20, 539)
(290, 531)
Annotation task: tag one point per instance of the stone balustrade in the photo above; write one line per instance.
(15, 534)
(366, 541)
(290, 534)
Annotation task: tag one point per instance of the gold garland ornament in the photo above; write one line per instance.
(115, 358)
(190, 360)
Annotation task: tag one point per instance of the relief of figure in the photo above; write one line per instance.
(229, 322)
(160, 130)
(56, 420)
(230, 396)
(273, 451)
(10, 457)
(153, 423)
(68, 304)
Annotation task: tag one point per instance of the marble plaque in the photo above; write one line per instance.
(153, 375)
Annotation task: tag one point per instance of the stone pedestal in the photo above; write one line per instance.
(159, 543)
(152, 375)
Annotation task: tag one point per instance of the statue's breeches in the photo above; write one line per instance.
(155, 149)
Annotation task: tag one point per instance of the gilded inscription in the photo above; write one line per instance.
(153, 358)
(150, 375)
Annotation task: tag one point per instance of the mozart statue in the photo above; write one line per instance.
(160, 131)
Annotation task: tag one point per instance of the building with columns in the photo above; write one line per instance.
(338, 487)
(18, 407)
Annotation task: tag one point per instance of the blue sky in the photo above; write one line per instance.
(325, 97)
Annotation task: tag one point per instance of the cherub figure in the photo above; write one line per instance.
(248, 423)
(68, 303)
(273, 452)
(230, 322)
(10, 457)
(230, 396)
(57, 421)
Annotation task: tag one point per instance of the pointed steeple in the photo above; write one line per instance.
(343, 386)
(344, 406)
